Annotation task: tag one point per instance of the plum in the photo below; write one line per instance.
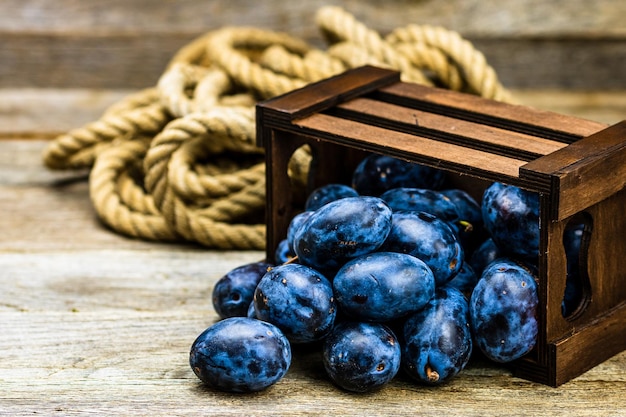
(437, 339)
(240, 354)
(383, 286)
(361, 357)
(503, 311)
(298, 300)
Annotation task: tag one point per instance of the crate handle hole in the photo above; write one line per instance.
(576, 238)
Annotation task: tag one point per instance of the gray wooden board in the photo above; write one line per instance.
(44, 113)
(121, 44)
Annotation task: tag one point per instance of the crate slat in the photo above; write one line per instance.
(512, 117)
(448, 129)
(404, 145)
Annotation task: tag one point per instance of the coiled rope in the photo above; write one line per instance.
(178, 161)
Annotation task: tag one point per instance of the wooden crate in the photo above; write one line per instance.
(578, 168)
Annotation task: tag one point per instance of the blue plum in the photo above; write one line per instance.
(467, 207)
(296, 222)
(251, 313)
(428, 238)
(465, 280)
(383, 286)
(511, 216)
(470, 228)
(283, 252)
(421, 199)
(361, 357)
(342, 230)
(376, 174)
(327, 193)
(486, 253)
(298, 300)
(438, 339)
(233, 293)
(240, 354)
(503, 311)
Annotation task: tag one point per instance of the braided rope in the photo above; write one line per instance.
(480, 77)
(179, 162)
(139, 115)
(225, 50)
(340, 25)
(116, 208)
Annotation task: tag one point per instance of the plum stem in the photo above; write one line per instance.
(431, 374)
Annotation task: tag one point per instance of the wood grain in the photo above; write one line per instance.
(121, 44)
(494, 17)
(43, 113)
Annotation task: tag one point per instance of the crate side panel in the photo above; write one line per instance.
(591, 345)
(607, 250)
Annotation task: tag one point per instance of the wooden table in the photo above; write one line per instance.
(93, 323)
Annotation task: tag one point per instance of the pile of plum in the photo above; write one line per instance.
(395, 272)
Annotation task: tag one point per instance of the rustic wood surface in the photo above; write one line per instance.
(93, 323)
(126, 44)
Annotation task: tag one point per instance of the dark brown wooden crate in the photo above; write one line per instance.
(578, 168)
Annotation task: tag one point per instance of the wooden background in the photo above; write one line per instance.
(93, 323)
(568, 44)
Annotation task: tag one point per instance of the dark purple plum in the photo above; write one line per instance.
(428, 238)
(465, 280)
(503, 311)
(298, 300)
(342, 230)
(383, 286)
(296, 222)
(240, 354)
(486, 253)
(251, 313)
(376, 174)
(421, 199)
(283, 252)
(233, 293)
(326, 194)
(511, 216)
(361, 357)
(467, 207)
(470, 227)
(437, 339)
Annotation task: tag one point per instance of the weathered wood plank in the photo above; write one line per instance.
(45, 209)
(135, 363)
(494, 17)
(567, 63)
(152, 279)
(43, 113)
(120, 44)
(134, 60)
(607, 107)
